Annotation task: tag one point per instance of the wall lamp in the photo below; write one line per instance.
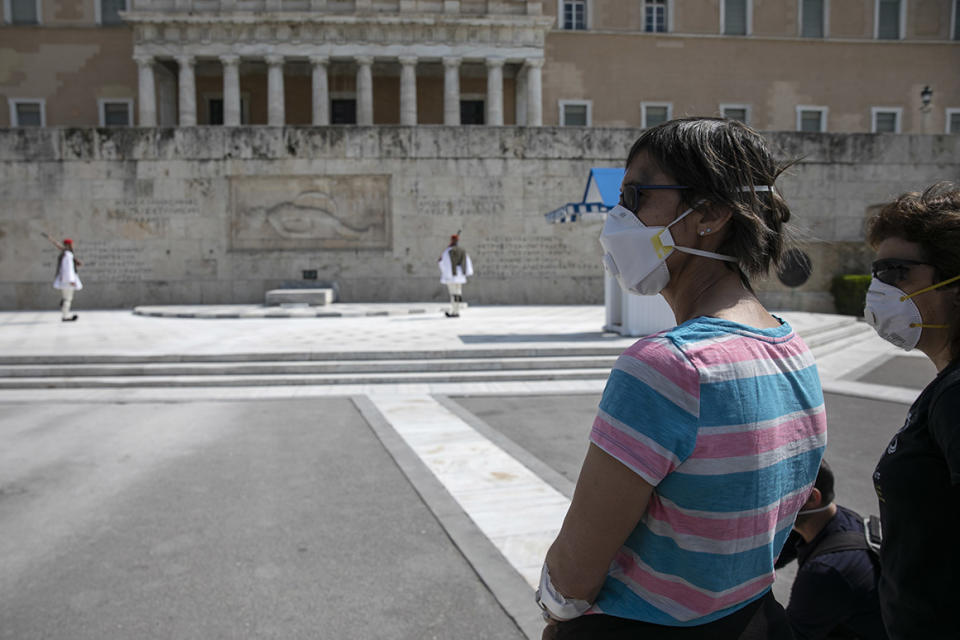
(926, 96)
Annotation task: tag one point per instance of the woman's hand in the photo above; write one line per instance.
(608, 502)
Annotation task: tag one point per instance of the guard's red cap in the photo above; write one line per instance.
(454, 237)
(68, 241)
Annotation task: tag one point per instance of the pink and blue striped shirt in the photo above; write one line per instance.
(727, 423)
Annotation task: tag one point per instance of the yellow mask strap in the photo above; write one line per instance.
(930, 288)
(929, 326)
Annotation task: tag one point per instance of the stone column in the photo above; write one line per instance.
(495, 92)
(451, 91)
(321, 91)
(231, 90)
(534, 93)
(520, 96)
(187, 91)
(364, 90)
(148, 92)
(408, 90)
(275, 106)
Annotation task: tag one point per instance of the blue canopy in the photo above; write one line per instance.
(601, 194)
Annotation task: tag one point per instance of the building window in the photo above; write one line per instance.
(472, 112)
(811, 119)
(953, 121)
(117, 113)
(28, 112)
(813, 18)
(108, 11)
(740, 112)
(890, 18)
(575, 113)
(574, 14)
(655, 113)
(885, 119)
(655, 16)
(735, 17)
(23, 11)
(343, 111)
(215, 108)
(956, 20)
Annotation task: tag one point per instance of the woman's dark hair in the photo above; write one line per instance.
(718, 159)
(932, 220)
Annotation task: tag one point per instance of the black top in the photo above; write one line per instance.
(834, 594)
(918, 483)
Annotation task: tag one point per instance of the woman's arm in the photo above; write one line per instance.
(608, 502)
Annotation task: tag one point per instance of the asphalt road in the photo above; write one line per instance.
(266, 519)
(555, 430)
(283, 518)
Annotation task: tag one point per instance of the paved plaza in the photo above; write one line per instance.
(388, 473)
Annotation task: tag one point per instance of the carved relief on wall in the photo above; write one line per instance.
(310, 212)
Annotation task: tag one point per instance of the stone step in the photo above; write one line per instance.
(491, 353)
(300, 380)
(839, 334)
(309, 297)
(196, 369)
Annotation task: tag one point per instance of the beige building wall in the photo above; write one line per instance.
(619, 72)
(68, 67)
(70, 62)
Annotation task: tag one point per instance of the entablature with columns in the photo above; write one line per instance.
(344, 37)
(496, 31)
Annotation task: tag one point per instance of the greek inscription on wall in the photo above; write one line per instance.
(437, 207)
(310, 212)
(106, 261)
(136, 219)
(510, 256)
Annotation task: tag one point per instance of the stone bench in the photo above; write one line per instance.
(310, 297)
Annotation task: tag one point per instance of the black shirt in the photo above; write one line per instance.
(918, 483)
(834, 594)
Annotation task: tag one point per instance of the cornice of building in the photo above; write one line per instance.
(675, 36)
(513, 37)
(316, 17)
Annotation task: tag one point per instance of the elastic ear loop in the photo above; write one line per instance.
(924, 290)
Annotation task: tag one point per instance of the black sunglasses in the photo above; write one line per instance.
(893, 270)
(630, 193)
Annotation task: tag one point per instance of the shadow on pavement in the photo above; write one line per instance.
(539, 337)
(902, 371)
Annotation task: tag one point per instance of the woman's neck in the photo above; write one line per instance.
(716, 291)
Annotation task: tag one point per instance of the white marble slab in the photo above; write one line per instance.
(520, 513)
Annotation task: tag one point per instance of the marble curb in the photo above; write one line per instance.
(260, 312)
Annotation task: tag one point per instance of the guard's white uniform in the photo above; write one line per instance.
(447, 276)
(454, 279)
(67, 281)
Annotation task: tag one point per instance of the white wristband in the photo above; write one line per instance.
(554, 603)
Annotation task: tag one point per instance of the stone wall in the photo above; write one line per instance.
(220, 215)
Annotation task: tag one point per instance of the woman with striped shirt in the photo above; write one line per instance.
(709, 435)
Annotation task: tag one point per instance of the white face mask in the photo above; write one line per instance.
(636, 254)
(894, 316)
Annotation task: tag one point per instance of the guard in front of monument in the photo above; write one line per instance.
(835, 592)
(455, 266)
(67, 279)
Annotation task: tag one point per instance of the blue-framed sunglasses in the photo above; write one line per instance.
(630, 193)
(893, 270)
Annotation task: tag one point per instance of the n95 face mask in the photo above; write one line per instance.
(895, 316)
(636, 254)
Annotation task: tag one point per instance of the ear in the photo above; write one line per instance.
(713, 219)
(814, 500)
